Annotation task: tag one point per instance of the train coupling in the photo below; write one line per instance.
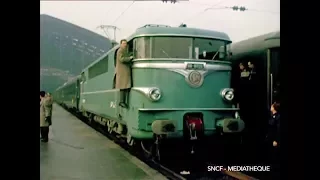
(194, 126)
(193, 123)
(193, 132)
(162, 127)
(230, 125)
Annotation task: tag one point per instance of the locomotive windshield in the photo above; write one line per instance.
(180, 47)
(210, 49)
(172, 47)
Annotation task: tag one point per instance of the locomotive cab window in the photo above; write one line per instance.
(171, 47)
(180, 47)
(142, 47)
(210, 49)
(130, 47)
(130, 51)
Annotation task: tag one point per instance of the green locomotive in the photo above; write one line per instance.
(181, 88)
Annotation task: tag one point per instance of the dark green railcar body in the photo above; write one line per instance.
(258, 87)
(69, 93)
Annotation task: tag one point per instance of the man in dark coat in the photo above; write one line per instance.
(273, 140)
(273, 135)
(123, 72)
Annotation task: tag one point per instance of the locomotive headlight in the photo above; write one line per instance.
(154, 94)
(227, 94)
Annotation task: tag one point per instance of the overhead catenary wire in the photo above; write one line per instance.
(203, 11)
(189, 2)
(262, 11)
(122, 13)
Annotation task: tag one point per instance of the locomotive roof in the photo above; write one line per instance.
(162, 30)
(179, 31)
(258, 43)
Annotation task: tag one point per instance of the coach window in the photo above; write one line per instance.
(210, 49)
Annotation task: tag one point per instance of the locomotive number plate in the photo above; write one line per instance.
(195, 66)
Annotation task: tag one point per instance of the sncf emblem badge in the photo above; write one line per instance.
(195, 78)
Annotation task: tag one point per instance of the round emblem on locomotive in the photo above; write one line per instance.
(195, 78)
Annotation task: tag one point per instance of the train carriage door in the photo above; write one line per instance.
(83, 79)
(274, 74)
(115, 66)
(77, 93)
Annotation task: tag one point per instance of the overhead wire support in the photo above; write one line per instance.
(242, 8)
(105, 30)
(114, 28)
(235, 8)
(172, 1)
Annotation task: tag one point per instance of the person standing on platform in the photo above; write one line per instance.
(273, 135)
(45, 115)
(123, 72)
(273, 140)
(49, 102)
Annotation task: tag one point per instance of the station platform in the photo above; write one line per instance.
(75, 151)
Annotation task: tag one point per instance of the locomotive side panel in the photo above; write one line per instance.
(97, 88)
(99, 96)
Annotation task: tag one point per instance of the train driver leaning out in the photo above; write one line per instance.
(123, 72)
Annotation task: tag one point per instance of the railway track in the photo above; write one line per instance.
(170, 173)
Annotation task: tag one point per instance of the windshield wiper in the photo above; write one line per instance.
(214, 55)
(165, 53)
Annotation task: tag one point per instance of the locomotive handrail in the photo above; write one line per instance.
(188, 109)
(164, 65)
(180, 59)
(154, 25)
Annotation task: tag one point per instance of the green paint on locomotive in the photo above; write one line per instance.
(186, 82)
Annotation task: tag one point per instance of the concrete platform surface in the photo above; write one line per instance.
(75, 151)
